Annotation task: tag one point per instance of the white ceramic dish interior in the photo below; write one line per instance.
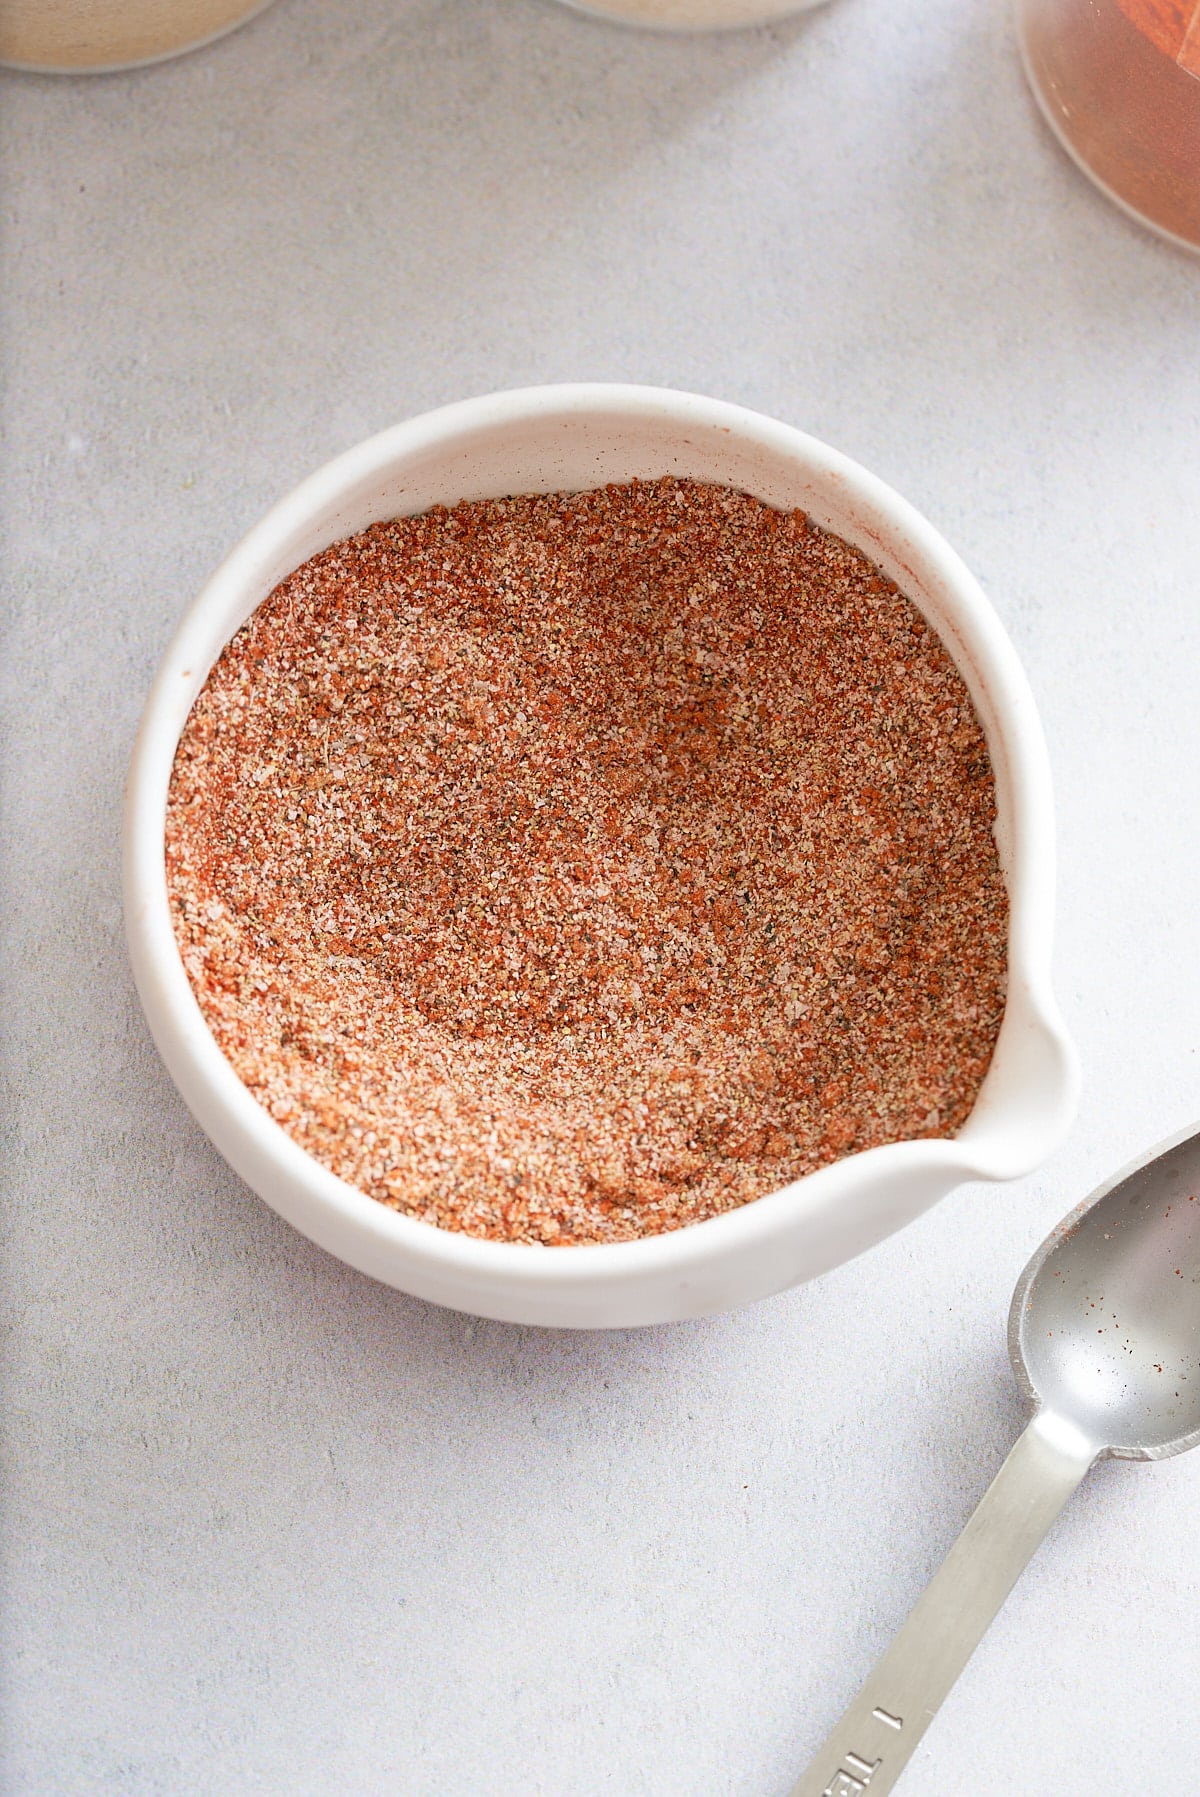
(545, 439)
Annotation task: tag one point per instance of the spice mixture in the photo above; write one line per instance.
(570, 868)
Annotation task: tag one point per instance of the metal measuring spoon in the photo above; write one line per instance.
(1104, 1335)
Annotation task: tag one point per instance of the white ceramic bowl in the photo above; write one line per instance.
(61, 37)
(693, 15)
(576, 437)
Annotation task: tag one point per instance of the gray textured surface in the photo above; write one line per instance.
(269, 1528)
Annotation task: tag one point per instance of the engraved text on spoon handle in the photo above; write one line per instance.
(873, 1742)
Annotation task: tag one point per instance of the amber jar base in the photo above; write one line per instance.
(1127, 114)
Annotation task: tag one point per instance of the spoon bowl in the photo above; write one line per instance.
(1104, 1328)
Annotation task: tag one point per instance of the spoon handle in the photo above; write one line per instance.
(871, 1745)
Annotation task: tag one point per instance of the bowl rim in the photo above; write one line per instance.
(226, 1109)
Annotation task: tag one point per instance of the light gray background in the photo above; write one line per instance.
(270, 1528)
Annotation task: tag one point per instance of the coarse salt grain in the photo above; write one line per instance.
(573, 867)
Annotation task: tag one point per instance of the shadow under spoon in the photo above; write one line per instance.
(1104, 1336)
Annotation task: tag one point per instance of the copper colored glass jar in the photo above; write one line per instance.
(1119, 83)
